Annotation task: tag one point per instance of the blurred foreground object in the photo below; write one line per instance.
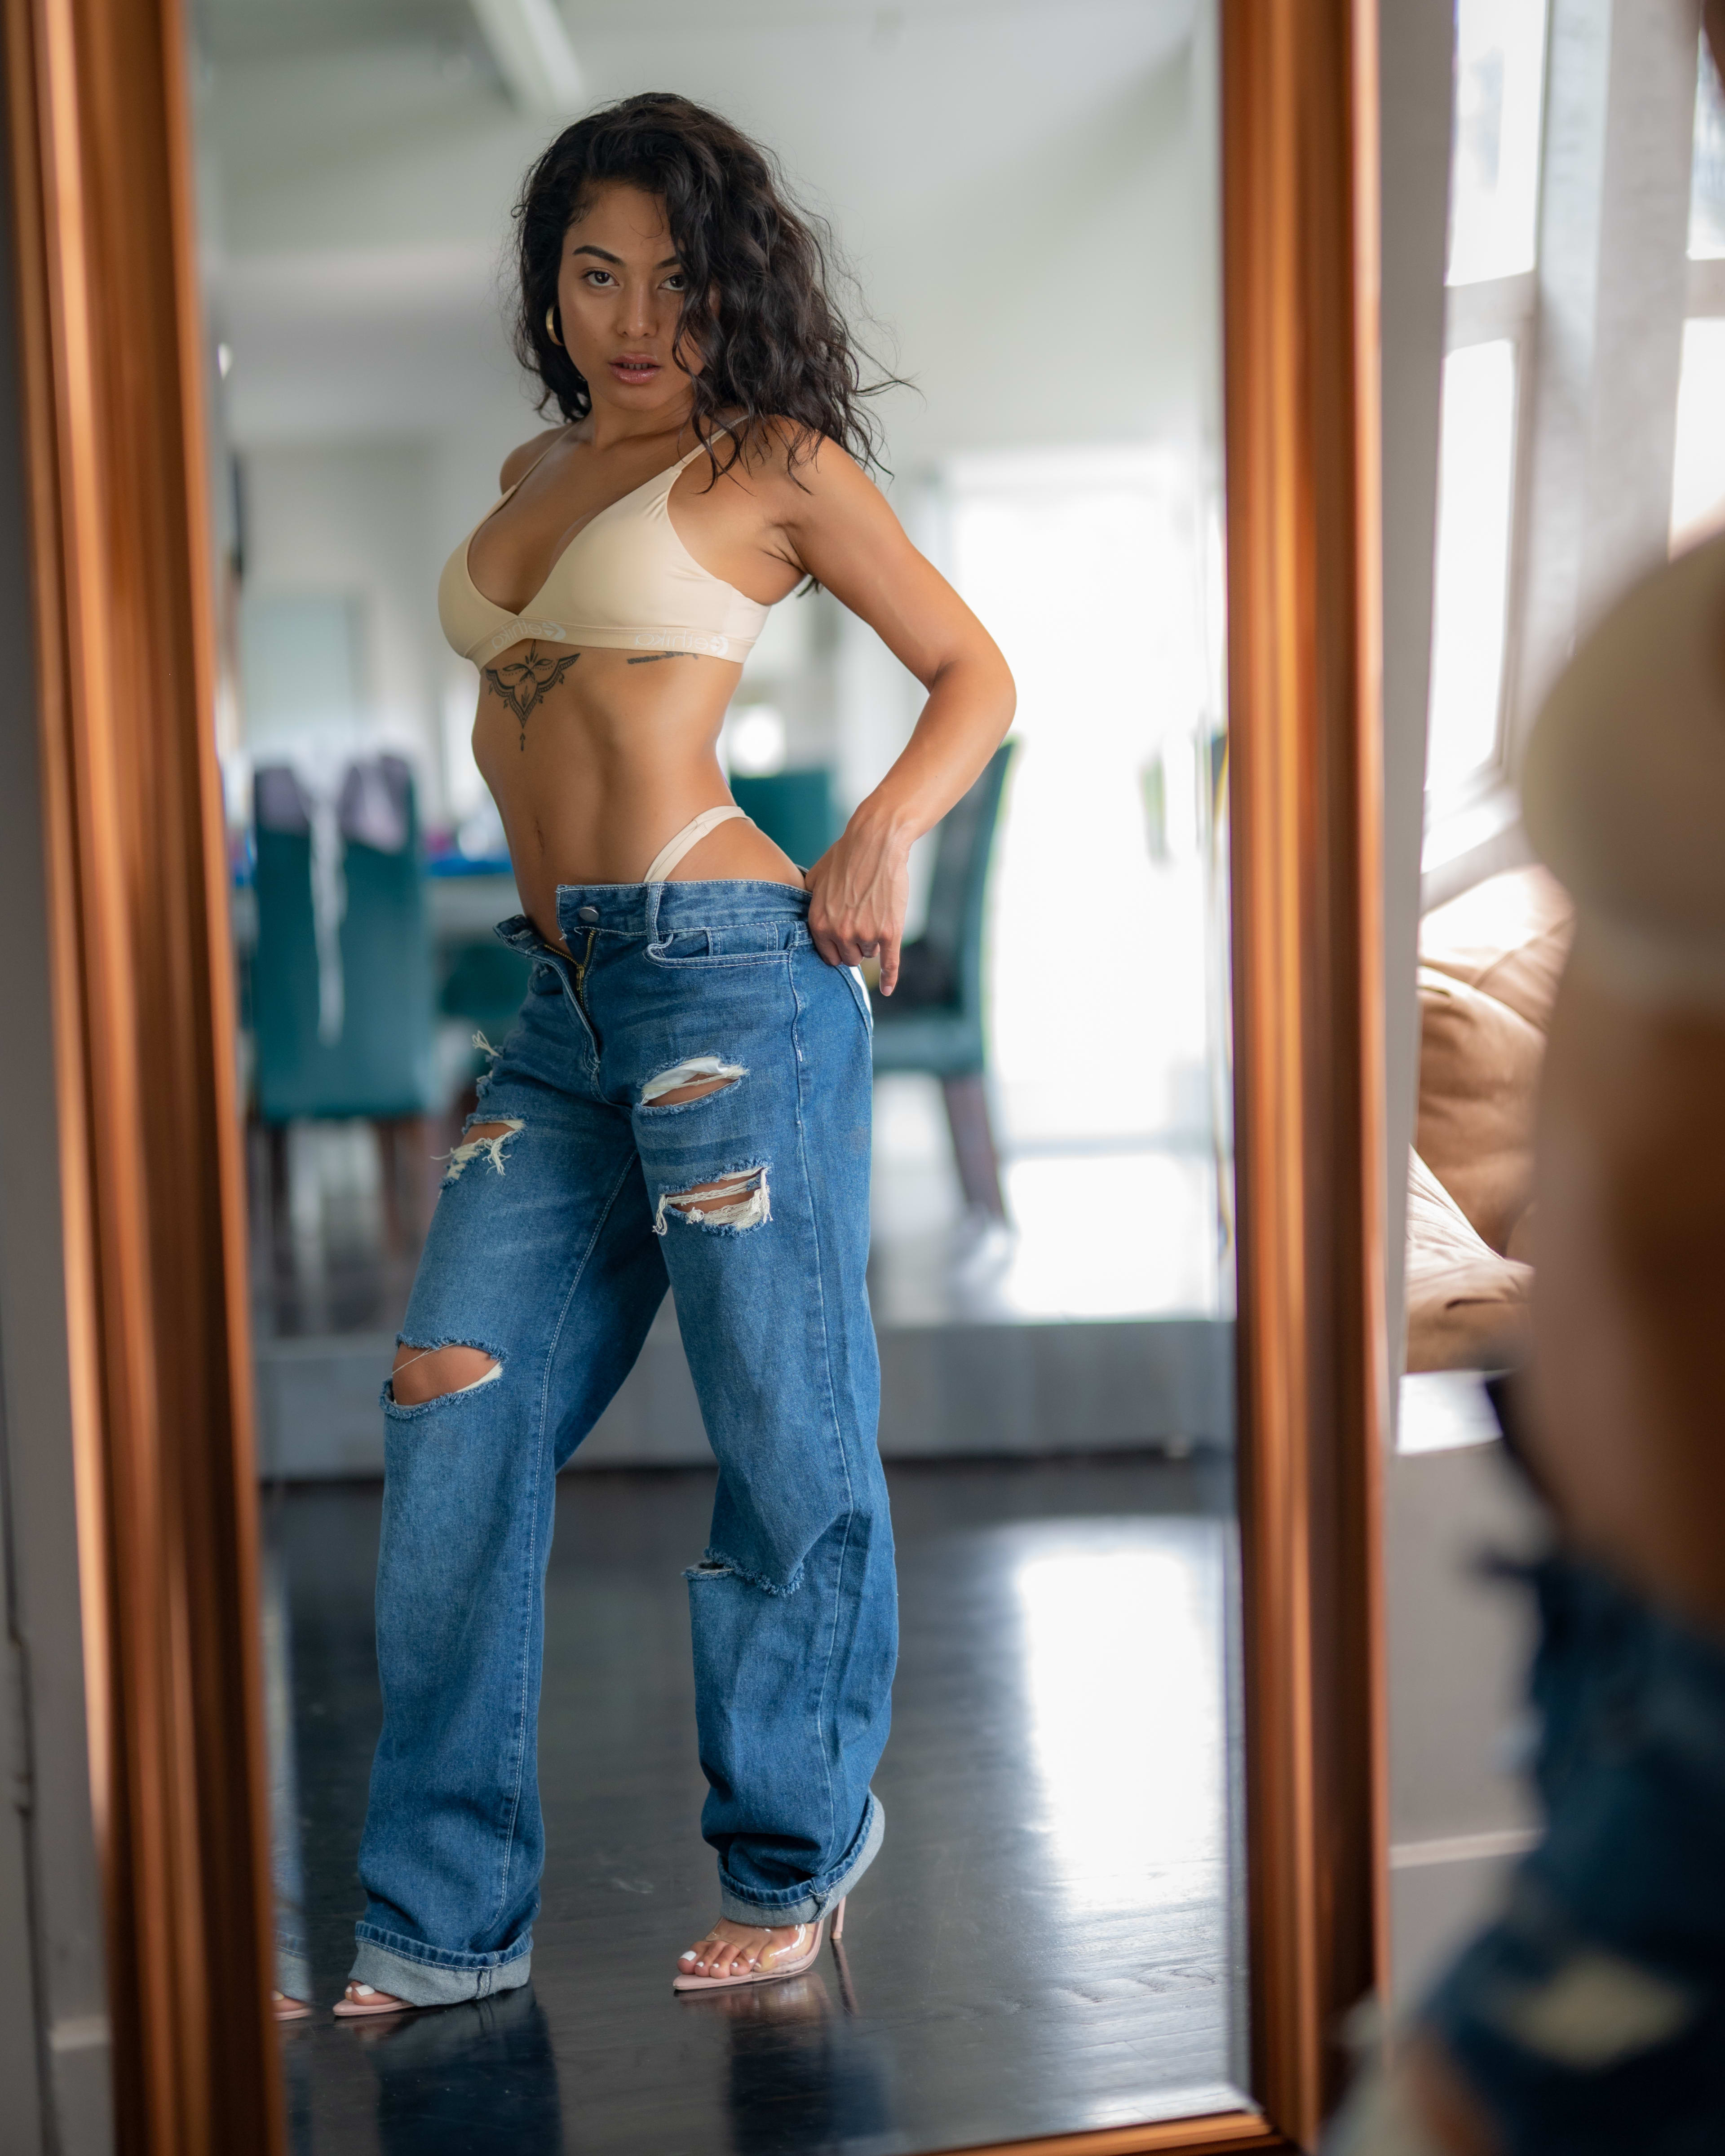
(1589, 2017)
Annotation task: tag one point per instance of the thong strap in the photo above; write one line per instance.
(691, 834)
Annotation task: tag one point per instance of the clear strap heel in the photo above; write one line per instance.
(798, 1957)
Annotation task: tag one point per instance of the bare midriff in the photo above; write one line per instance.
(617, 751)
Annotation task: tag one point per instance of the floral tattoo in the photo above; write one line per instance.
(526, 683)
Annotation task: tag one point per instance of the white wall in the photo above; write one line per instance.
(1458, 1651)
(357, 519)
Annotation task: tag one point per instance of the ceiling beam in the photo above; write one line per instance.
(529, 42)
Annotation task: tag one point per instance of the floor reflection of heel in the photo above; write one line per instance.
(805, 2074)
(847, 1989)
(795, 1999)
(487, 2059)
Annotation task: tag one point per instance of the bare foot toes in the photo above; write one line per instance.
(732, 1949)
(365, 1998)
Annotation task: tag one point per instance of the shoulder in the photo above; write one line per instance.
(792, 468)
(520, 462)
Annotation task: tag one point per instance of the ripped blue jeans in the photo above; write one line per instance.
(550, 1252)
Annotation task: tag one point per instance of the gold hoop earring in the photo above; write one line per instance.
(551, 327)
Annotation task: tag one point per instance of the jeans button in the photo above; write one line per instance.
(588, 913)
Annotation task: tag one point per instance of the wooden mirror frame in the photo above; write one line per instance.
(112, 360)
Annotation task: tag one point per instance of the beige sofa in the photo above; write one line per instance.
(1489, 965)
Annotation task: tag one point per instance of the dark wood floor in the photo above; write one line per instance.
(1044, 1944)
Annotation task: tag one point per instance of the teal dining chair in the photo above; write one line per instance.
(933, 1021)
(349, 1030)
(795, 809)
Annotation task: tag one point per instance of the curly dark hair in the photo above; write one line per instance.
(758, 309)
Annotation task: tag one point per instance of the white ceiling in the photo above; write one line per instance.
(281, 30)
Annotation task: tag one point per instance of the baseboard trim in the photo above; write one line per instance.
(1463, 1848)
(946, 1391)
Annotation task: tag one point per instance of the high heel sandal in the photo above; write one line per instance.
(794, 1964)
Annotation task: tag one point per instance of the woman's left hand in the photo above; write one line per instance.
(858, 890)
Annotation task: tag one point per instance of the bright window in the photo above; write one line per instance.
(1707, 186)
(1698, 475)
(1494, 244)
(1475, 495)
(1494, 188)
(1088, 568)
(1698, 466)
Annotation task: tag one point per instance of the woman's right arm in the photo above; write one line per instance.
(838, 527)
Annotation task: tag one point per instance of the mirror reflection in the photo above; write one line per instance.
(720, 602)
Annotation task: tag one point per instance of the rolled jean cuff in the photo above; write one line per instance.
(293, 1968)
(398, 1969)
(808, 1904)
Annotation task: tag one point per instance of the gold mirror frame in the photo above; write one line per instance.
(114, 433)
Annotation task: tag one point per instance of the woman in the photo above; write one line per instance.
(687, 1093)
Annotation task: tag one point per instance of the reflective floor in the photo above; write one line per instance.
(1047, 1941)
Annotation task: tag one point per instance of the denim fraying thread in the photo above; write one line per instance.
(731, 1202)
(463, 1156)
(716, 1565)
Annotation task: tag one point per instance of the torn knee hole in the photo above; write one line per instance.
(739, 1200)
(713, 1566)
(690, 1080)
(433, 1373)
(487, 1138)
(676, 1097)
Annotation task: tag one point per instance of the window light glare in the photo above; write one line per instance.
(224, 359)
(756, 743)
(1125, 1749)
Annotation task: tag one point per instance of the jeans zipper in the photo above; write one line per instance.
(568, 965)
(581, 965)
(576, 988)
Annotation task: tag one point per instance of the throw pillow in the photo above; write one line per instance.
(1467, 1307)
(1479, 1076)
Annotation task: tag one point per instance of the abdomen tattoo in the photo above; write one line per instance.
(525, 684)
